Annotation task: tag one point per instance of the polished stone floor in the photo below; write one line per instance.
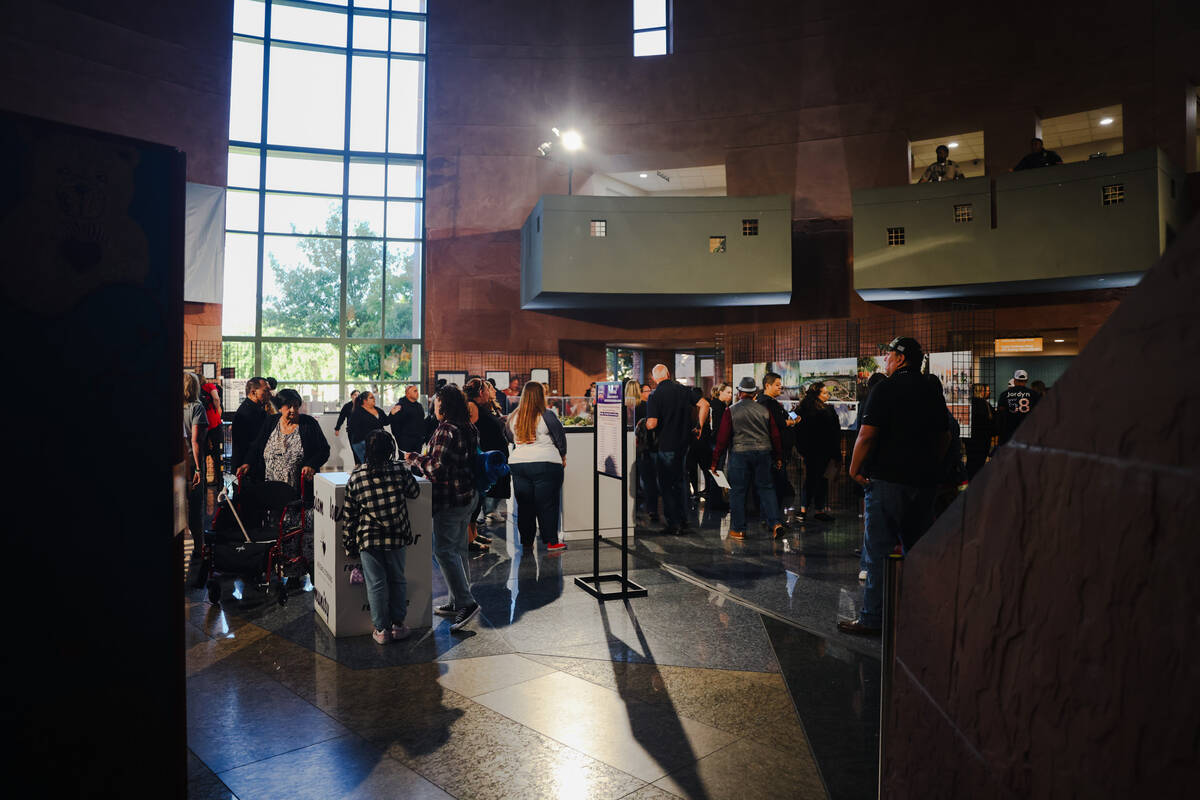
(728, 680)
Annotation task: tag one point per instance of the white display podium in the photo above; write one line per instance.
(341, 605)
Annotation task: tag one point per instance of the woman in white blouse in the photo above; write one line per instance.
(537, 464)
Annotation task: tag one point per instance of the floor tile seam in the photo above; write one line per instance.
(683, 767)
(766, 612)
(547, 736)
(654, 663)
(277, 755)
(796, 710)
(512, 685)
(626, 702)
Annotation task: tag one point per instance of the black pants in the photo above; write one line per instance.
(976, 457)
(215, 441)
(785, 494)
(537, 488)
(816, 485)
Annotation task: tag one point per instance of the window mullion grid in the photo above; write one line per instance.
(262, 186)
(345, 206)
(387, 129)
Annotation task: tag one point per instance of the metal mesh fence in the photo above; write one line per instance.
(960, 341)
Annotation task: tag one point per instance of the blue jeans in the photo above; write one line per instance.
(669, 466)
(360, 451)
(896, 514)
(537, 488)
(450, 550)
(387, 588)
(742, 468)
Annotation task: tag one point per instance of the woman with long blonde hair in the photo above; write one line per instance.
(537, 463)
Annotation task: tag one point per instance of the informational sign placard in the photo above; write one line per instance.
(610, 401)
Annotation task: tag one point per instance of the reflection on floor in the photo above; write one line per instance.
(715, 685)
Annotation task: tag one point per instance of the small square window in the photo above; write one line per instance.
(716, 244)
(895, 237)
(749, 227)
(1113, 194)
(599, 227)
(964, 212)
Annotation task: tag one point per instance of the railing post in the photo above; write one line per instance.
(891, 602)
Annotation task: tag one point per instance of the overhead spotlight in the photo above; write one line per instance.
(1106, 121)
(1059, 341)
(643, 175)
(554, 131)
(572, 140)
(543, 150)
(952, 145)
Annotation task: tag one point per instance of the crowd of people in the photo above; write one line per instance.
(730, 448)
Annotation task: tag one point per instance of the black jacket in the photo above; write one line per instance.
(247, 422)
(362, 423)
(316, 447)
(344, 415)
(408, 426)
(787, 438)
(820, 435)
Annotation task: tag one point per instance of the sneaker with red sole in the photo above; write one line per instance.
(737, 535)
(557, 547)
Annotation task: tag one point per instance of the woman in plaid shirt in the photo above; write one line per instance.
(448, 463)
(375, 525)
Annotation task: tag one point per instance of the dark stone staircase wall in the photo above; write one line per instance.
(1049, 626)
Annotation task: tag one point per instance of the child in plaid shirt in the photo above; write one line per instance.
(375, 525)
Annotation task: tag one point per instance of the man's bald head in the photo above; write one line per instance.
(660, 373)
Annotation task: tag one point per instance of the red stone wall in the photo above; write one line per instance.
(157, 71)
(812, 99)
(1047, 642)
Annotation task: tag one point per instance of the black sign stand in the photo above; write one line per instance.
(592, 583)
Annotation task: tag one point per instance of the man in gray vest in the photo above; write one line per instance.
(750, 434)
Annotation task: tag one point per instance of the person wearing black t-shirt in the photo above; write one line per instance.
(979, 444)
(785, 494)
(408, 421)
(897, 460)
(1038, 157)
(669, 413)
(1014, 405)
(647, 446)
(249, 419)
(344, 416)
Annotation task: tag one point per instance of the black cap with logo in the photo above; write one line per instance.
(908, 347)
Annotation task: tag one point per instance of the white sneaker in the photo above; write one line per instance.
(380, 637)
(862, 574)
(400, 632)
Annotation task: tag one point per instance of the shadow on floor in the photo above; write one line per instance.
(656, 728)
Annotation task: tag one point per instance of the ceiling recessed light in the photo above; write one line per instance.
(1106, 121)
(1059, 341)
(952, 145)
(643, 175)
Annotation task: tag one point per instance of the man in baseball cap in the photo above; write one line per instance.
(902, 439)
(1014, 405)
(752, 437)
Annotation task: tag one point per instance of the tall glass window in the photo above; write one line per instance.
(325, 232)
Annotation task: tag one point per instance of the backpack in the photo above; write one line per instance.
(487, 468)
(210, 410)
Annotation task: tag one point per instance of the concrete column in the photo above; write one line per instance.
(1164, 117)
(1006, 135)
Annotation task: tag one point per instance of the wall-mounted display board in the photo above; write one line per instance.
(499, 377)
(457, 378)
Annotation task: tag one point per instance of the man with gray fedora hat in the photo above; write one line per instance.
(750, 434)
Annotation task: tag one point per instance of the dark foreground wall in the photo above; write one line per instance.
(1049, 639)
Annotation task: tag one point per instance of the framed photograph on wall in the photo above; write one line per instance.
(539, 375)
(499, 376)
(208, 370)
(457, 378)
